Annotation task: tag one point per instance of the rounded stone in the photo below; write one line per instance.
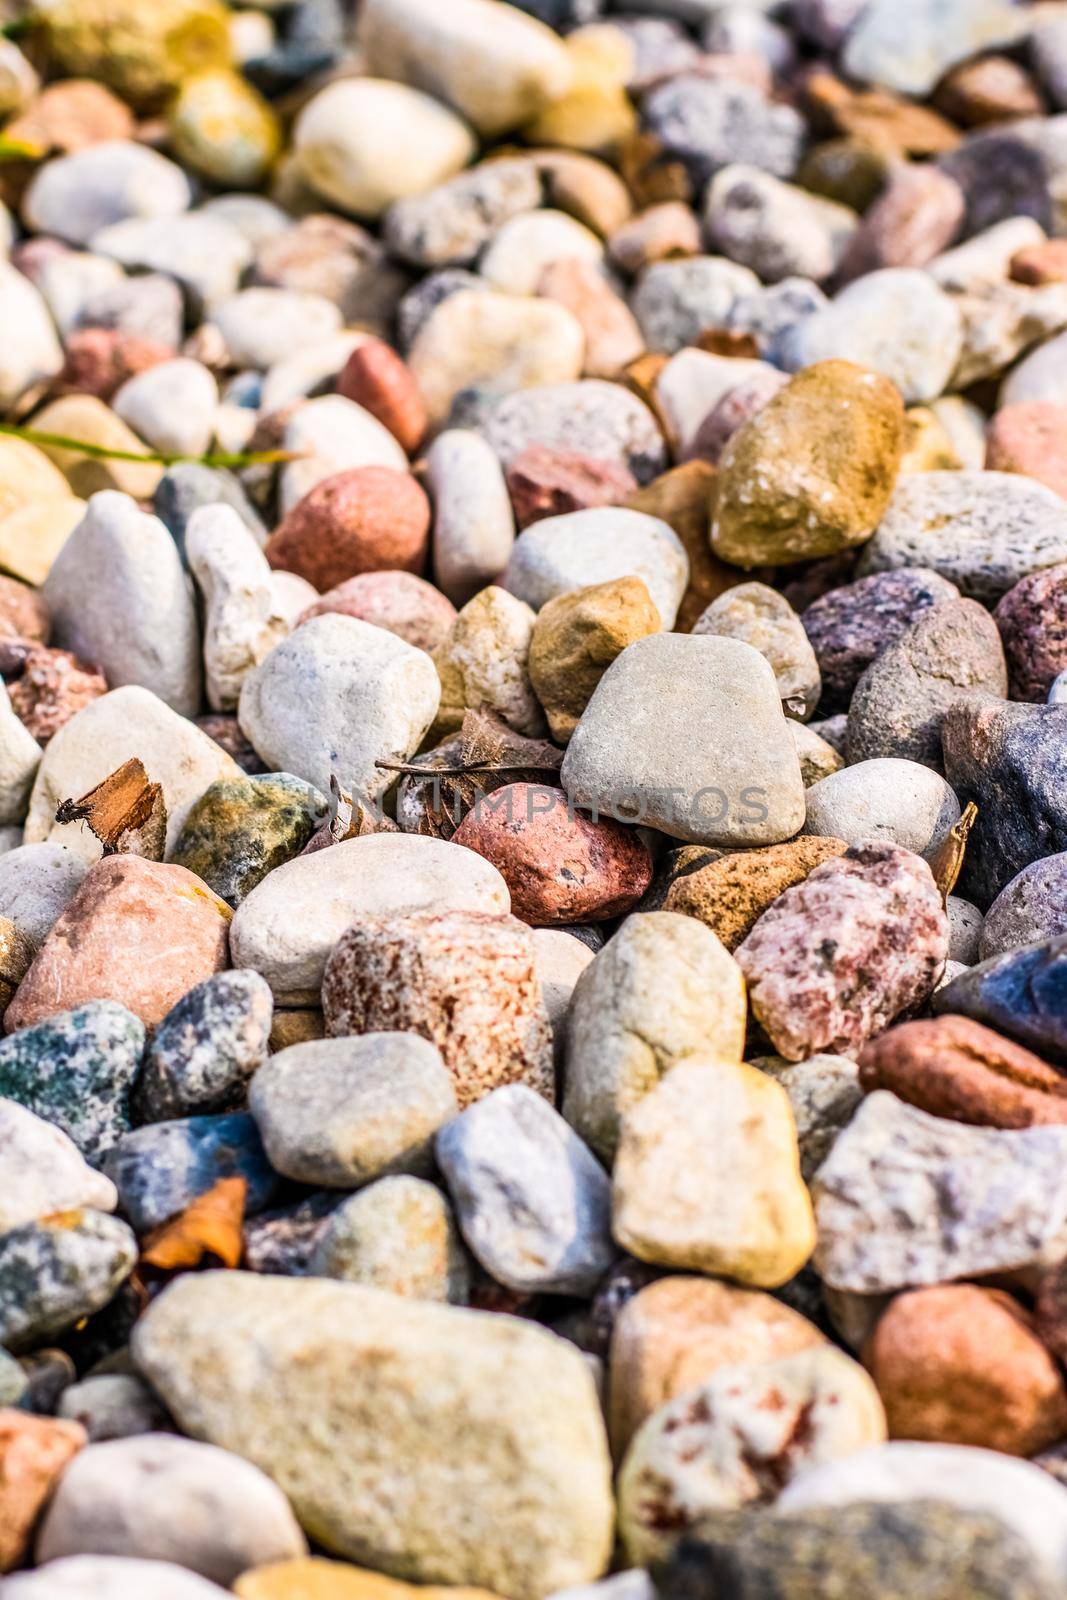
(892, 800)
(448, 225)
(74, 196)
(45, 1172)
(958, 1364)
(171, 406)
(834, 959)
(341, 1112)
(395, 600)
(575, 639)
(474, 526)
(57, 1271)
(729, 895)
(952, 653)
(483, 664)
(1031, 909)
(707, 1176)
(550, 483)
(596, 418)
(664, 988)
(366, 520)
(559, 866)
(223, 129)
(35, 1452)
(135, 931)
(375, 378)
(1028, 438)
(364, 143)
(464, 980)
(288, 925)
(206, 1049)
(397, 1234)
(1032, 619)
(758, 615)
(850, 626)
(812, 473)
(777, 229)
(162, 1498)
(561, 554)
(111, 1578)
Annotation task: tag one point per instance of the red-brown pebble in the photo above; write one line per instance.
(1041, 263)
(834, 959)
(956, 1068)
(54, 685)
(368, 519)
(99, 360)
(137, 932)
(1030, 438)
(559, 865)
(33, 1453)
(1032, 618)
(398, 601)
(957, 1364)
(465, 980)
(376, 379)
(916, 217)
(546, 482)
(23, 613)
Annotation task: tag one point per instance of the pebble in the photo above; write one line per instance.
(242, 828)
(464, 980)
(332, 435)
(777, 229)
(33, 355)
(204, 254)
(450, 224)
(1028, 910)
(96, 741)
(835, 958)
(364, 143)
(368, 519)
(336, 697)
(663, 989)
(375, 378)
(612, 335)
(906, 1199)
(497, 69)
(1025, 438)
(547, 483)
(186, 487)
(44, 1171)
(759, 616)
(1008, 759)
(482, 664)
(288, 925)
(558, 555)
(733, 1441)
(1039, 376)
(159, 1169)
(849, 627)
(111, 1578)
(688, 736)
(729, 895)
(983, 531)
(896, 322)
(135, 931)
(56, 1271)
(395, 600)
(812, 473)
(674, 301)
(261, 326)
(532, 1201)
(397, 1234)
(341, 1112)
(161, 1498)
(950, 655)
(529, 1461)
(915, 218)
(907, 48)
(1016, 993)
(158, 647)
(75, 196)
(76, 1070)
(706, 124)
(224, 130)
(35, 1452)
(473, 522)
(1029, 619)
(575, 639)
(112, 1406)
(495, 344)
(203, 1054)
(687, 1195)
(593, 417)
(882, 1550)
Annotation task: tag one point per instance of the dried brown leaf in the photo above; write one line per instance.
(207, 1232)
(126, 812)
(947, 861)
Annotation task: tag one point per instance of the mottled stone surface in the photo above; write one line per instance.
(1030, 909)
(597, 418)
(878, 1550)
(575, 639)
(545, 482)
(957, 1364)
(44, 1173)
(952, 653)
(137, 932)
(242, 828)
(849, 627)
(740, 1438)
(1011, 760)
(398, 1234)
(1020, 993)
(58, 1270)
(905, 1198)
(729, 895)
(559, 865)
(526, 1507)
(399, 601)
(1032, 618)
(838, 956)
(812, 473)
(890, 800)
(465, 980)
(824, 1092)
(1029, 438)
(954, 1067)
(763, 618)
(77, 1070)
(34, 1451)
(159, 1169)
(206, 1049)
(363, 520)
